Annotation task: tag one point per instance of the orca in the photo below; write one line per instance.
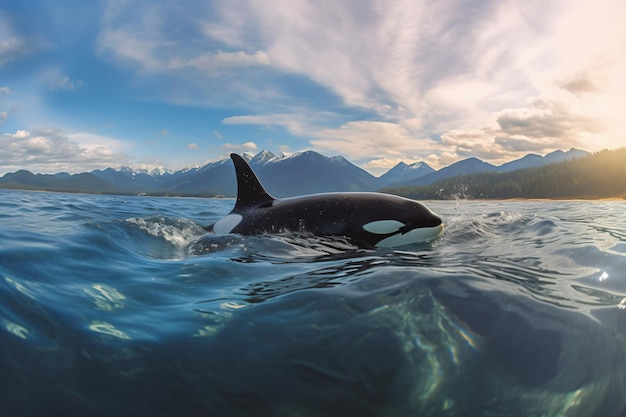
(368, 219)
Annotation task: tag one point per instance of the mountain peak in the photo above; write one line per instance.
(399, 165)
(308, 153)
(158, 171)
(262, 157)
(246, 155)
(402, 172)
(419, 165)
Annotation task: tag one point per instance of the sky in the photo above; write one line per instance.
(144, 83)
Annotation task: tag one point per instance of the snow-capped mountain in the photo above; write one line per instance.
(283, 175)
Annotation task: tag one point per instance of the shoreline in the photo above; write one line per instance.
(560, 199)
(221, 197)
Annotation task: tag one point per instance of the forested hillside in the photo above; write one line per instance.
(602, 174)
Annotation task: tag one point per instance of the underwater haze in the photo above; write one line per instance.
(113, 306)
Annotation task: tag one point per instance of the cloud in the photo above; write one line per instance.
(243, 147)
(545, 119)
(212, 62)
(50, 150)
(375, 144)
(193, 146)
(15, 41)
(142, 36)
(64, 83)
(540, 127)
(370, 56)
(190, 68)
(5, 91)
(379, 146)
(134, 33)
(10, 49)
(364, 139)
(296, 123)
(55, 80)
(382, 165)
(164, 132)
(579, 83)
(12, 46)
(467, 143)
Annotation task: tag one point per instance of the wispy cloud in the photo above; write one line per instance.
(12, 46)
(295, 123)
(64, 83)
(213, 62)
(153, 41)
(243, 147)
(16, 41)
(367, 139)
(10, 49)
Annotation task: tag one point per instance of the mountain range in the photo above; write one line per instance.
(282, 175)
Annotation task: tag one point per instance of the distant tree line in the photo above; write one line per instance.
(602, 174)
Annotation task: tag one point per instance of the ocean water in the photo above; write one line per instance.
(113, 306)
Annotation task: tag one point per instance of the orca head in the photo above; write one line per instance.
(412, 223)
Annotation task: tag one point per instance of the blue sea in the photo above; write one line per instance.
(116, 306)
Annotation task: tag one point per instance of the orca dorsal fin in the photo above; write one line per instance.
(250, 192)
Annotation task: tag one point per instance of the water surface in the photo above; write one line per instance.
(116, 305)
